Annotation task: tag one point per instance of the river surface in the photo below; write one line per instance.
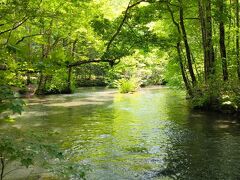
(151, 134)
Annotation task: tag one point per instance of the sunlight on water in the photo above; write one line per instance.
(151, 134)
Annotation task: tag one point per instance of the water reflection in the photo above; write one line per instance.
(151, 134)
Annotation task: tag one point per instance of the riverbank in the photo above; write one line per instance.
(224, 104)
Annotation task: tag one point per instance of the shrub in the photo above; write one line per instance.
(128, 85)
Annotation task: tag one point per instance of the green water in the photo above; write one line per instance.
(151, 134)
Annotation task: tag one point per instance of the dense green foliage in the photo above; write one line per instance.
(54, 46)
(128, 85)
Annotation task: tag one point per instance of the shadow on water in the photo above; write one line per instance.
(204, 145)
(151, 134)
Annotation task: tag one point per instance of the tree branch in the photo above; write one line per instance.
(122, 23)
(173, 19)
(78, 63)
(192, 18)
(20, 40)
(15, 26)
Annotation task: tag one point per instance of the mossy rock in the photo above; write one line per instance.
(228, 107)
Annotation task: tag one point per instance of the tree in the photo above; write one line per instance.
(223, 52)
(185, 40)
(178, 46)
(207, 42)
(237, 38)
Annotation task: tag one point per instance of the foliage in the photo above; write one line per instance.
(128, 85)
(9, 101)
(218, 95)
(27, 149)
(55, 45)
(172, 74)
(149, 68)
(91, 75)
(57, 83)
(20, 150)
(70, 170)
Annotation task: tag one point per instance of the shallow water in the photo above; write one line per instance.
(151, 134)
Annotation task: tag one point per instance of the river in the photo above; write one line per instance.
(150, 134)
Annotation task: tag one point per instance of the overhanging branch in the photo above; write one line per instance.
(122, 22)
(15, 26)
(78, 63)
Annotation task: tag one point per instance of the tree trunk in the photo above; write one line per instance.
(206, 27)
(41, 84)
(2, 166)
(28, 79)
(203, 27)
(45, 52)
(183, 72)
(185, 40)
(185, 80)
(237, 39)
(69, 80)
(222, 41)
(69, 89)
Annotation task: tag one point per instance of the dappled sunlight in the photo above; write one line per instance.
(72, 104)
(149, 134)
(226, 124)
(127, 89)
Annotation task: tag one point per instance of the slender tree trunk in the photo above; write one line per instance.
(210, 50)
(69, 80)
(185, 40)
(237, 39)
(28, 79)
(29, 43)
(206, 27)
(45, 52)
(229, 24)
(69, 89)
(183, 72)
(222, 41)
(185, 80)
(203, 27)
(2, 167)
(40, 88)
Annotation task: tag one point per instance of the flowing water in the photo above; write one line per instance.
(151, 134)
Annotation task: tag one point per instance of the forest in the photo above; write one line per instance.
(54, 48)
